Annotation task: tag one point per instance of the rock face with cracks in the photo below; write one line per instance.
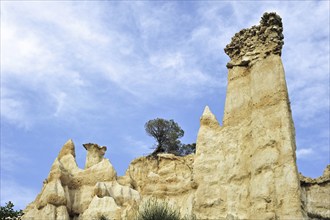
(167, 177)
(244, 169)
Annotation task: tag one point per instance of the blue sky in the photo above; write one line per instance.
(97, 71)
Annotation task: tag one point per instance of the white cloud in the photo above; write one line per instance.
(13, 111)
(304, 153)
(169, 60)
(306, 59)
(309, 103)
(54, 39)
(61, 100)
(58, 48)
(22, 53)
(70, 61)
(135, 147)
(11, 160)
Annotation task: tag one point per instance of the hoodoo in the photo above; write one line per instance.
(247, 168)
(243, 169)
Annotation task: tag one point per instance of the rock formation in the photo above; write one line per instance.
(316, 195)
(94, 154)
(251, 45)
(244, 169)
(73, 193)
(247, 168)
(168, 178)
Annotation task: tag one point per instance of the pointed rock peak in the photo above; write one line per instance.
(207, 111)
(208, 118)
(68, 148)
(326, 172)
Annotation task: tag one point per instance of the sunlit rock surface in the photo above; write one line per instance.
(73, 193)
(244, 167)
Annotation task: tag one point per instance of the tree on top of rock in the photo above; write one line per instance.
(166, 133)
(186, 149)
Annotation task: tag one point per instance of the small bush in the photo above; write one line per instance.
(155, 210)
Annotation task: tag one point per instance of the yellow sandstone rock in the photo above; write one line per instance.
(316, 195)
(244, 169)
(73, 193)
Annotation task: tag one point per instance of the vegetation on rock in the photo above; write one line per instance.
(154, 210)
(186, 149)
(167, 134)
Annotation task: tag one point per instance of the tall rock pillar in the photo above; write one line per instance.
(254, 151)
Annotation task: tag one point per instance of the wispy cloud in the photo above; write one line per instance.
(81, 50)
(306, 58)
(147, 58)
(11, 160)
(16, 193)
(304, 153)
(10, 190)
(101, 65)
(13, 110)
(136, 147)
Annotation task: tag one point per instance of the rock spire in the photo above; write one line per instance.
(247, 169)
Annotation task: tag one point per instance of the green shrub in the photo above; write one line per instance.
(8, 211)
(155, 210)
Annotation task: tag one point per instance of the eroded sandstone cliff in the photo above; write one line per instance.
(316, 195)
(244, 169)
(167, 177)
(73, 193)
(247, 168)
